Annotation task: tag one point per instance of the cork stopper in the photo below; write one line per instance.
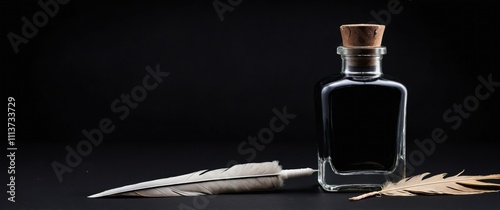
(362, 35)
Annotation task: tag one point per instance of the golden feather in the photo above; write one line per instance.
(437, 184)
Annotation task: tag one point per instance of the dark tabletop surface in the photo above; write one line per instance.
(38, 188)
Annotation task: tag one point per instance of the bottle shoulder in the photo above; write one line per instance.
(343, 81)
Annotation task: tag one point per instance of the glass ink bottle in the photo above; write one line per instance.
(361, 116)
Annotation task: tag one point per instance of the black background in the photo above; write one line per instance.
(225, 79)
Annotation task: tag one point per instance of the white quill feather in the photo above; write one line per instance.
(238, 178)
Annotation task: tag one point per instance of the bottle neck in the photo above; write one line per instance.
(362, 61)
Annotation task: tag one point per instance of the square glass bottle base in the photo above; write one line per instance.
(357, 181)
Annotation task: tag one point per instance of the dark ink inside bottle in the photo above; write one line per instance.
(364, 125)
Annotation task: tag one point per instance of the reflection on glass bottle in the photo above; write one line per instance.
(361, 117)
